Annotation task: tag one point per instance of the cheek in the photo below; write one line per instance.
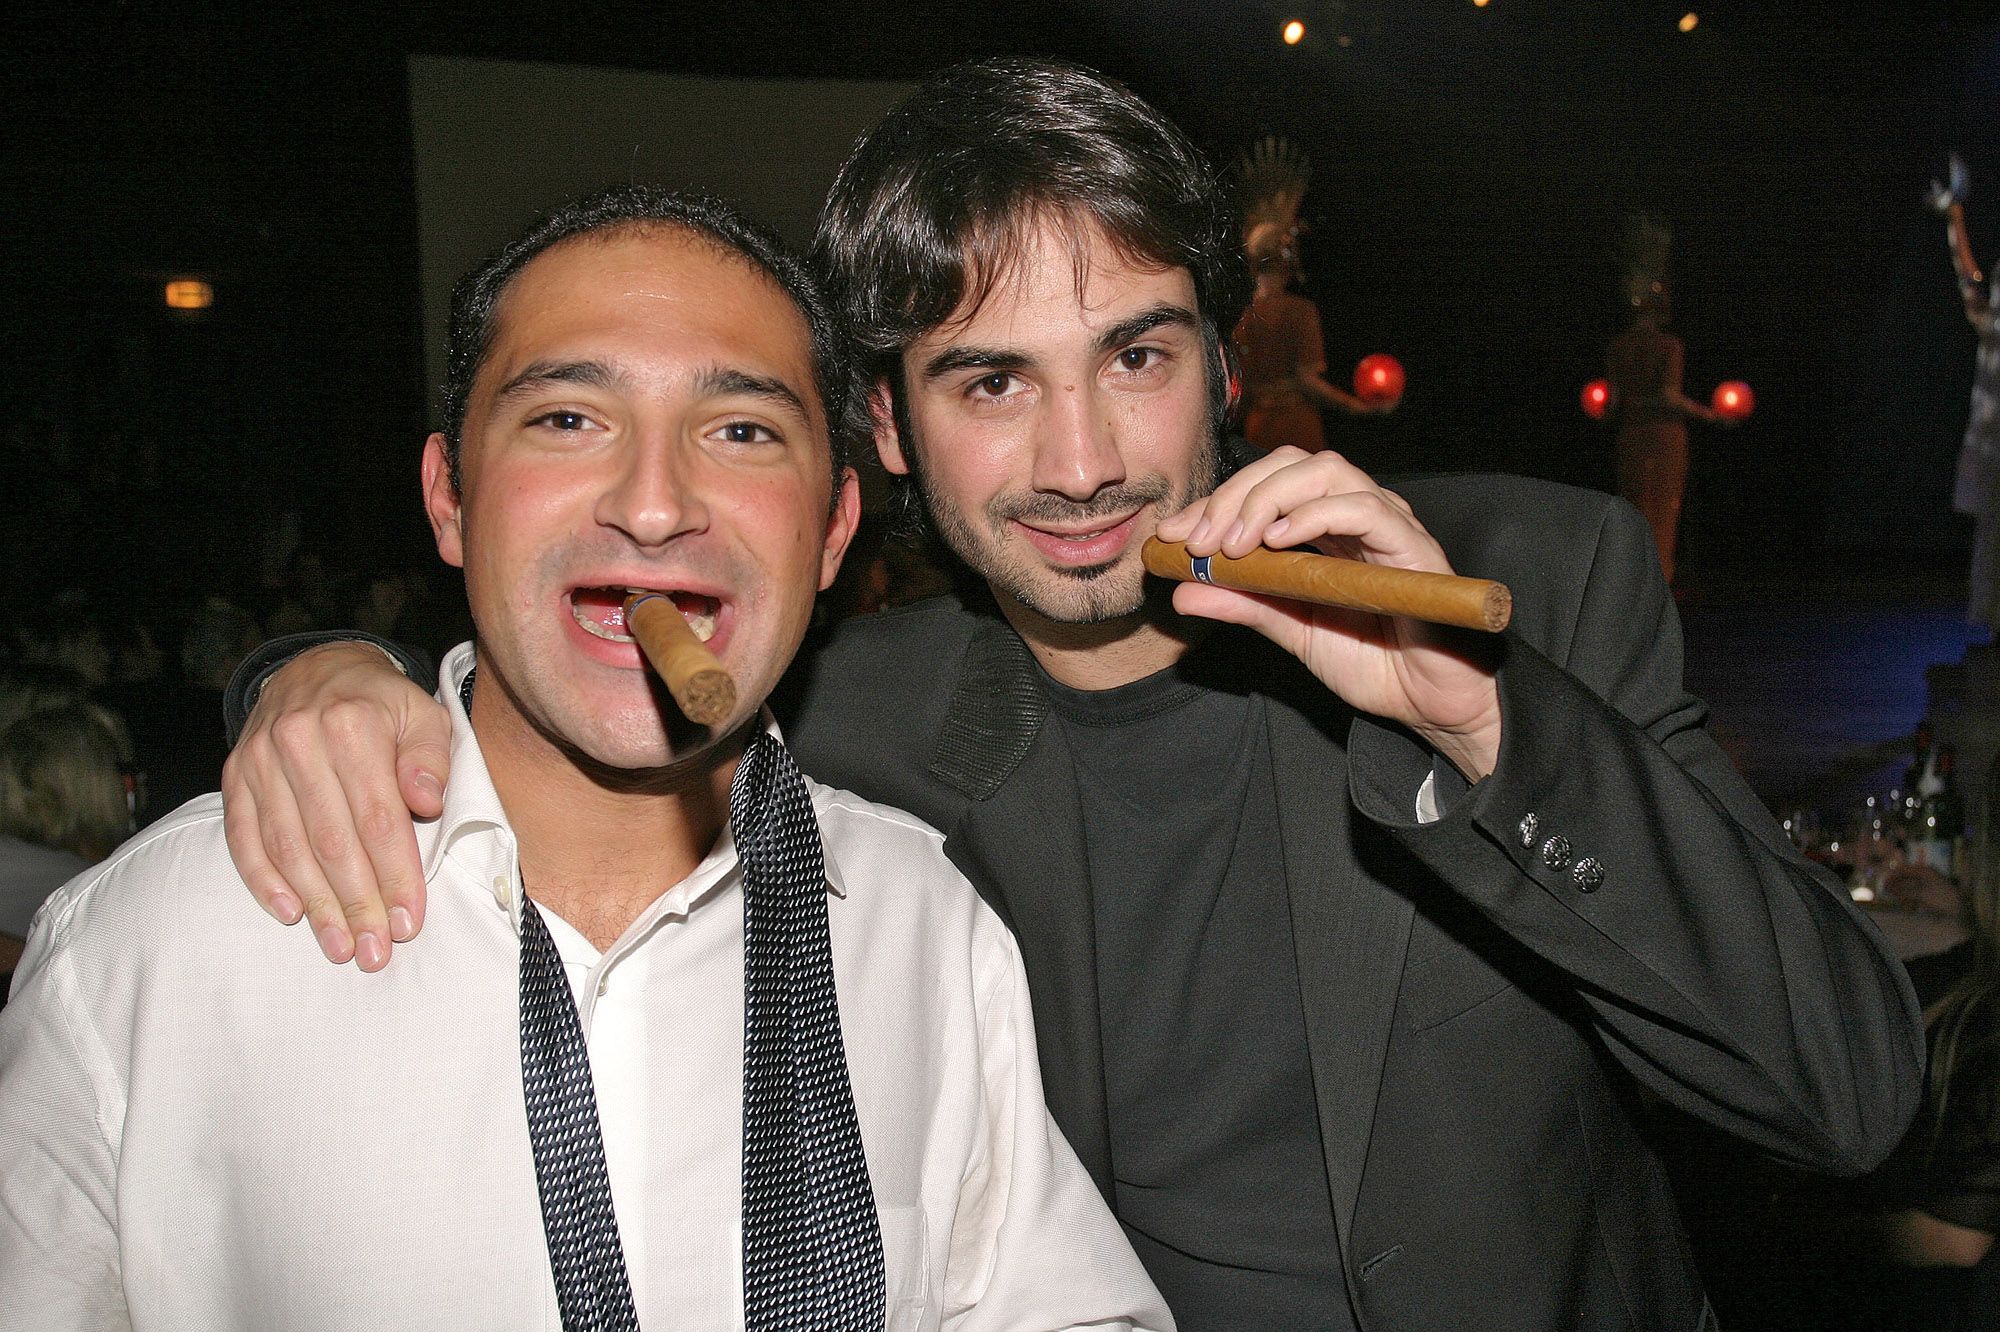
(1165, 432)
(974, 460)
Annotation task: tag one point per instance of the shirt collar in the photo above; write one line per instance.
(472, 807)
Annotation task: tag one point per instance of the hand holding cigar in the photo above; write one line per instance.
(1327, 580)
(702, 690)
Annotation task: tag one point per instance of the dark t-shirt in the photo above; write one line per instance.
(1219, 1176)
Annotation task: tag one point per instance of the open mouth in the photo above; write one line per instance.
(601, 610)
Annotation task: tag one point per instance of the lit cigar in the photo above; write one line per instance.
(1326, 580)
(701, 688)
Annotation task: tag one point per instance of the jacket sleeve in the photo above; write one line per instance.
(1614, 839)
(241, 696)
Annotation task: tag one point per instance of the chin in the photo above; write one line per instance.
(1090, 596)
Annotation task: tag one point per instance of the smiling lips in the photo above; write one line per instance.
(1096, 545)
(601, 611)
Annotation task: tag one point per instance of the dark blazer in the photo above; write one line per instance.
(1610, 907)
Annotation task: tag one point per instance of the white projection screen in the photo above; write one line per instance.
(498, 142)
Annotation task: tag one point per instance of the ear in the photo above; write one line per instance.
(441, 502)
(840, 526)
(1232, 380)
(888, 443)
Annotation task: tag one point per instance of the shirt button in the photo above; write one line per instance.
(500, 890)
(1529, 826)
(1588, 874)
(1555, 852)
(603, 984)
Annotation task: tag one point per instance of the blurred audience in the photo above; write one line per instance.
(1942, 1188)
(63, 807)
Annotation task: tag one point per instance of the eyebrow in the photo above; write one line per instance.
(1164, 315)
(715, 382)
(722, 382)
(586, 374)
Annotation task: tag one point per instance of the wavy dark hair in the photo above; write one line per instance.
(622, 210)
(937, 201)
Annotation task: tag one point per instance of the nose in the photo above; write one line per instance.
(655, 492)
(1076, 454)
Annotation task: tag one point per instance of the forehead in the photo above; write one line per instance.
(1060, 283)
(664, 303)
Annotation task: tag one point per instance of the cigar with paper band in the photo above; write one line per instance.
(1328, 580)
(701, 688)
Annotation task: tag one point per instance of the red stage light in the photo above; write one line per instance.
(1379, 378)
(1596, 399)
(1734, 399)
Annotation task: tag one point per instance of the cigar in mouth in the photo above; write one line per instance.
(701, 688)
(1328, 580)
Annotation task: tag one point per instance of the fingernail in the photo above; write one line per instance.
(333, 941)
(1200, 532)
(285, 909)
(402, 925)
(429, 785)
(1235, 531)
(1276, 529)
(368, 950)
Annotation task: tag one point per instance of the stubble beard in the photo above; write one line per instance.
(1089, 594)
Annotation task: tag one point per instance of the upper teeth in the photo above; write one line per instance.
(702, 623)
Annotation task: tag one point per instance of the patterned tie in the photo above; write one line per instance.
(812, 1249)
(582, 1231)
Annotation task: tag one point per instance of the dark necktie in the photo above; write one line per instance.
(589, 1262)
(812, 1249)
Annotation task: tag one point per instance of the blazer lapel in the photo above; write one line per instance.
(1350, 934)
(1023, 847)
(1019, 839)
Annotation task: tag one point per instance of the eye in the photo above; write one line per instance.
(1138, 358)
(748, 432)
(562, 420)
(993, 385)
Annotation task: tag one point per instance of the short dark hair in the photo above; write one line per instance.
(633, 208)
(935, 201)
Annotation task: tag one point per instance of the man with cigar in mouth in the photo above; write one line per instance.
(693, 1041)
(1352, 942)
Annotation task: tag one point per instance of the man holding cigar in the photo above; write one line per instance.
(1351, 941)
(693, 1041)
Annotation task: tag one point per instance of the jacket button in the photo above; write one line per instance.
(1555, 852)
(1588, 874)
(1529, 825)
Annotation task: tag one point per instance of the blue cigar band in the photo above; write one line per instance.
(1198, 566)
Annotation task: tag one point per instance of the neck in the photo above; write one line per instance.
(598, 845)
(1109, 653)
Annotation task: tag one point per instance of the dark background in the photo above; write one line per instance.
(1472, 165)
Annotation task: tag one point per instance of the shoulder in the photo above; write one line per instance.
(1491, 509)
(1568, 554)
(877, 844)
(171, 869)
(866, 642)
(864, 709)
(892, 867)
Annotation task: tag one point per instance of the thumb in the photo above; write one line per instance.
(423, 760)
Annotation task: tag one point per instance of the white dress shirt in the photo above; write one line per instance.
(203, 1125)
